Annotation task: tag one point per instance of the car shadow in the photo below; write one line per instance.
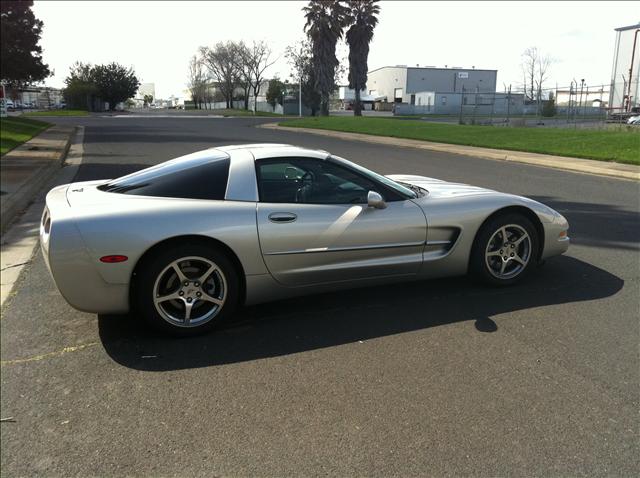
(598, 225)
(314, 322)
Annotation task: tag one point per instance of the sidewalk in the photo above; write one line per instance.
(27, 168)
(590, 166)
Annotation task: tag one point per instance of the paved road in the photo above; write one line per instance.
(431, 378)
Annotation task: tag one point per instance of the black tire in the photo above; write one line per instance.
(487, 269)
(154, 272)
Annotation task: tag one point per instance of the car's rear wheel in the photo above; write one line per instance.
(505, 250)
(187, 290)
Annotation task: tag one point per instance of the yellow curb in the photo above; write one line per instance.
(589, 166)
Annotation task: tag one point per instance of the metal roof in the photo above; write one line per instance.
(630, 27)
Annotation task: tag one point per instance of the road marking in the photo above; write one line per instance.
(57, 353)
(20, 241)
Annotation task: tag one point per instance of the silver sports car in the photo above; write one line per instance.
(186, 242)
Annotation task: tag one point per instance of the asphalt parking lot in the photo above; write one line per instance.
(432, 378)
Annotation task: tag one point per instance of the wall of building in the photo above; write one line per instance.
(452, 103)
(384, 81)
(450, 80)
(412, 80)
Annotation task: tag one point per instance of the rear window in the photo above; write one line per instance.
(201, 178)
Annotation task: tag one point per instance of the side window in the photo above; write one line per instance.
(187, 179)
(310, 181)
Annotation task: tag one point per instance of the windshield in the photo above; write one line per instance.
(397, 187)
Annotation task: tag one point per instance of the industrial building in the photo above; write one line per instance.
(401, 84)
(623, 94)
(430, 90)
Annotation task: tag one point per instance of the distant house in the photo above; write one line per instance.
(347, 96)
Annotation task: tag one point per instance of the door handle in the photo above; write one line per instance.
(282, 217)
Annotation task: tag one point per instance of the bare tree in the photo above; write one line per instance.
(242, 57)
(223, 67)
(529, 65)
(542, 73)
(258, 60)
(197, 81)
(535, 68)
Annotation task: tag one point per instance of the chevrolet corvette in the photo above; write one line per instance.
(188, 241)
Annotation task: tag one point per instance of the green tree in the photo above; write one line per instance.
(549, 107)
(80, 89)
(115, 83)
(20, 55)
(326, 20)
(275, 92)
(363, 21)
(300, 57)
(148, 99)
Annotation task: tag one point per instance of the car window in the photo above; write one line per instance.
(311, 181)
(186, 178)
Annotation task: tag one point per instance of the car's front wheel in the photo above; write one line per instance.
(187, 290)
(505, 250)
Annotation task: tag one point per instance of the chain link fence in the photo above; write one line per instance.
(575, 106)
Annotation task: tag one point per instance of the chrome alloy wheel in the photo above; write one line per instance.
(508, 251)
(190, 291)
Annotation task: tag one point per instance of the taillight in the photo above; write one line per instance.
(46, 221)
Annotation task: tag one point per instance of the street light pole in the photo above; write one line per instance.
(300, 95)
(580, 103)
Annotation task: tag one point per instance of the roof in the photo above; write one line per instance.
(630, 27)
(272, 150)
(428, 68)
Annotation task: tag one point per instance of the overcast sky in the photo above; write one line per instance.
(158, 38)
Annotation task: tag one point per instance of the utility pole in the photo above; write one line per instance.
(581, 88)
(509, 103)
(300, 96)
(493, 107)
(633, 54)
(570, 99)
(475, 105)
(586, 101)
(461, 103)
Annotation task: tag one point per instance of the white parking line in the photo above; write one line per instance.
(19, 242)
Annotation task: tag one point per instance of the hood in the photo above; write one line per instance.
(440, 189)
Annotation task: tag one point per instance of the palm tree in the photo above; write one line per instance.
(326, 20)
(363, 21)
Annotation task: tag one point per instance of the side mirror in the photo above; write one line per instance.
(375, 200)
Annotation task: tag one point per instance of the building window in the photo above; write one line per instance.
(413, 99)
(444, 100)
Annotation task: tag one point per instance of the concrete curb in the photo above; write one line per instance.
(588, 166)
(41, 174)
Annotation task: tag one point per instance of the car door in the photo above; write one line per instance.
(314, 224)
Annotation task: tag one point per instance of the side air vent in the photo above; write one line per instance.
(440, 241)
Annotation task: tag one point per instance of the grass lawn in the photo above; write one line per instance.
(57, 113)
(16, 130)
(622, 146)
